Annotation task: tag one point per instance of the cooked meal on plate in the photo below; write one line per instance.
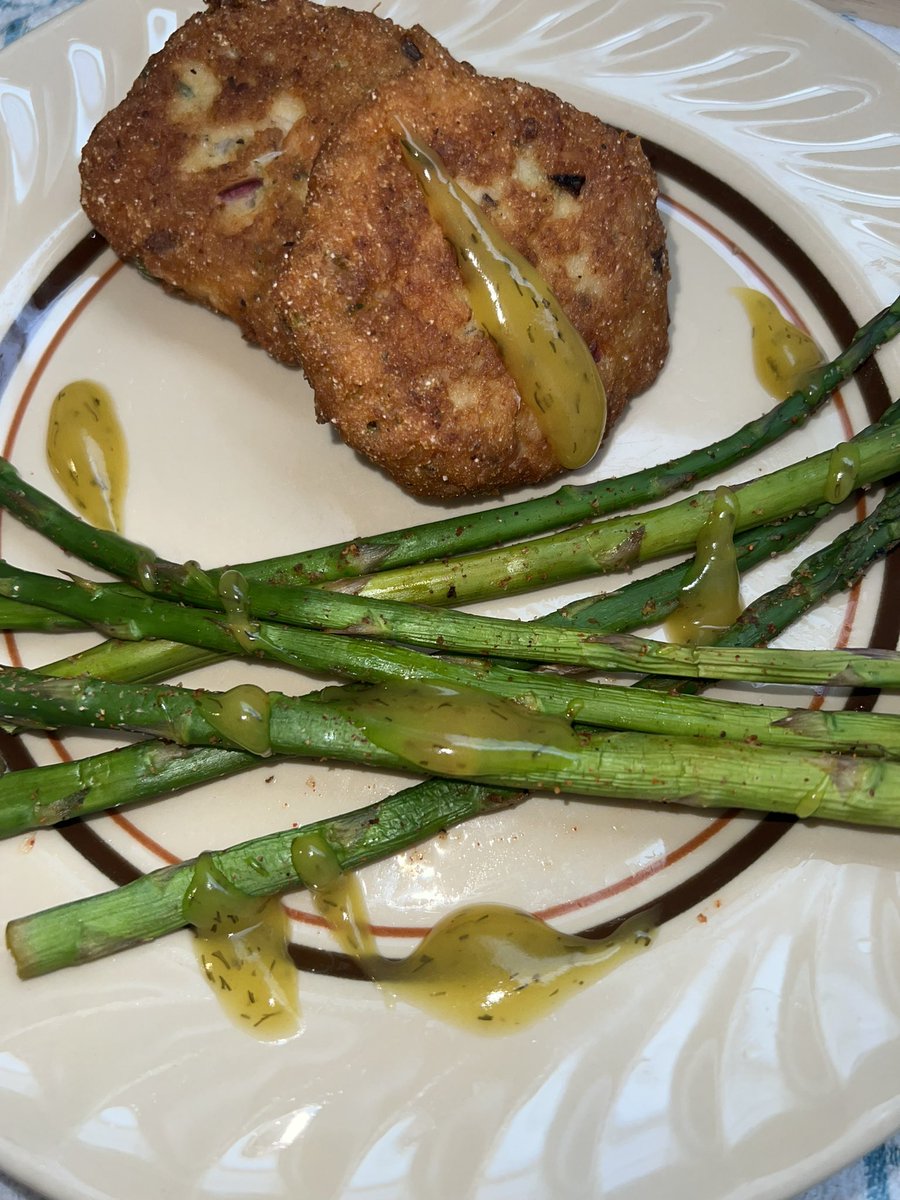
(257, 166)
(472, 274)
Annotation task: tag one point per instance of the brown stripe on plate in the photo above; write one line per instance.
(36, 308)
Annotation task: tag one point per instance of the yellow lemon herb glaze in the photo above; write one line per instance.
(783, 355)
(494, 969)
(241, 943)
(710, 599)
(242, 716)
(486, 967)
(336, 894)
(811, 802)
(458, 730)
(843, 471)
(551, 366)
(87, 454)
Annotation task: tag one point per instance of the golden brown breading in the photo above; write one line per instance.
(200, 174)
(373, 296)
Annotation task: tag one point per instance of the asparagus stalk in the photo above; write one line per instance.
(35, 700)
(228, 870)
(16, 617)
(650, 600)
(322, 725)
(455, 536)
(613, 544)
(41, 796)
(619, 543)
(154, 904)
(837, 567)
(37, 797)
(570, 504)
(615, 766)
(44, 795)
(447, 631)
(636, 603)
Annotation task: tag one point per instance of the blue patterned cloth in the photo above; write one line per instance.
(18, 16)
(875, 1177)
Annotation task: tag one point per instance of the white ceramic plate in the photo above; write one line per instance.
(757, 1046)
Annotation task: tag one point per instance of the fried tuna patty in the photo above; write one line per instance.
(200, 174)
(373, 296)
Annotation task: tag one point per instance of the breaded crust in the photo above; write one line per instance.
(373, 296)
(200, 174)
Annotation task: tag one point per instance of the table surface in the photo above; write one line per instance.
(877, 1175)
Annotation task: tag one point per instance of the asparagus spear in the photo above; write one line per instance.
(570, 504)
(37, 700)
(153, 905)
(619, 543)
(40, 796)
(652, 599)
(609, 545)
(635, 603)
(836, 567)
(45, 794)
(16, 617)
(626, 608)
(447, 631)
(615, 766)
(162, 659)
(182, 888)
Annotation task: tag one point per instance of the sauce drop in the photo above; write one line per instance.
(544, 353)
(486, 967)
(232, 590)
(336, 894)
(241, 944)
(710, 599)
(494, 969)
(457, 730)
(783, 355)
(87, 454)
(241, 715)
(843, 470)
(812, 801)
